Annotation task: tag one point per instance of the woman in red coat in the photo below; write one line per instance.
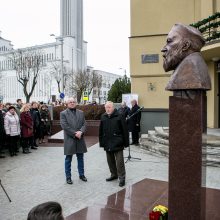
(26, 128)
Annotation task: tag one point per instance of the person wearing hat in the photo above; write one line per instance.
(12, 129)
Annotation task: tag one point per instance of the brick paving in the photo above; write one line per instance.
(39, 177)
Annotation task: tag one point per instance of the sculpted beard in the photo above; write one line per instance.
(173, 57)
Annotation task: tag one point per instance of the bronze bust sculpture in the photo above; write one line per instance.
(182, 54)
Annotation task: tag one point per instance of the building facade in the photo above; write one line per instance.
(69, 53)
(100, 95)
(150, 23)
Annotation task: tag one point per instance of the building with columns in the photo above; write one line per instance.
(150, 23)
(69, 52)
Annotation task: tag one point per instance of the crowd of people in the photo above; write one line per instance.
(23, 126)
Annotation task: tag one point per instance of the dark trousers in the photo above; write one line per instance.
(135, 137)
(26, 142)
(80, 162)
(116, 163)
(1, 144)
(13, 146)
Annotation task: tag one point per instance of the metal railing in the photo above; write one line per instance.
(209, 27)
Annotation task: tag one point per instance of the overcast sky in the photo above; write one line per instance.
(106, 28)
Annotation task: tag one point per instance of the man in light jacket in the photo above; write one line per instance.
(73, 123)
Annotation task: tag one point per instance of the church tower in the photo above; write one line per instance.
(71, 25)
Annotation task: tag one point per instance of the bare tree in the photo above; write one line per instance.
(95, 81)
(27, 64)
(78, 82)
(56, 74)
(81, 83)
(99, 85)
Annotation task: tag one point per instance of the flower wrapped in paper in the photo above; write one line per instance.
(159, 212)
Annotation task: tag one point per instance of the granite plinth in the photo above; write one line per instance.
(136, 201)
(186, 175)
(58, 138)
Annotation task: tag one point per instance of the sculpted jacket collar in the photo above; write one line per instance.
(191, 73)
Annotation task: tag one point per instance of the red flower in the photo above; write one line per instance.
(154, 215)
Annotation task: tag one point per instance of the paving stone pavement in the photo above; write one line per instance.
(39, 177)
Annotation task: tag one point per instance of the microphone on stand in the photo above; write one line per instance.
(134, 113)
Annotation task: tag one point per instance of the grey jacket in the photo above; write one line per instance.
(71, 122)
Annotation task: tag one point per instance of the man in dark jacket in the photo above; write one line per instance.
(124, 110)
(134, 122)
(113, 137)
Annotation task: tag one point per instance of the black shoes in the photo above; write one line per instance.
(122, 183)
(83, 178)
(111, 178)
(33, 147)
(26, 151)
(69, 181)
(2, 156)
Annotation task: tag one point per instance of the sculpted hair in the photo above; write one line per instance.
(46, 211)
(193, 36)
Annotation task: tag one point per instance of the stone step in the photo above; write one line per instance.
(162, 133)
(154, 148)
(163, 150)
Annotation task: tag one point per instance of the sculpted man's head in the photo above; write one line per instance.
(182, 40)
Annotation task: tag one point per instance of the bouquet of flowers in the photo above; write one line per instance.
(159, 212)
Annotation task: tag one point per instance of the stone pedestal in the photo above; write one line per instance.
(186, 177)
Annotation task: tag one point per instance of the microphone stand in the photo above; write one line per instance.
(129, 157)
(5, 191)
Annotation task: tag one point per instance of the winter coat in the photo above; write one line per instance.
(72, 121)
(134, 121)
(124, 111)
(45, 115)
(2, 130)
(26, 124)
(12, 124)
(35, 114)
(113, 132)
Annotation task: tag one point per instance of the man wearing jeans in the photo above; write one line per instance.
(73, 123)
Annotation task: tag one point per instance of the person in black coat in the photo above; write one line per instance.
(35, 114)
(2, 131)
(134, 122)
(114, 137)
(124, 110)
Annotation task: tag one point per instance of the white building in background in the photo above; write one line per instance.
(70, 43)
(101, 95)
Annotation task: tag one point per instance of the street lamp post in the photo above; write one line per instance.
(60, 38)
(62, 75)
(123, 69)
